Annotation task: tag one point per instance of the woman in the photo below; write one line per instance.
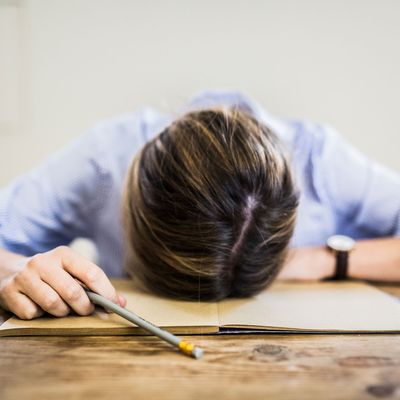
(201, 205)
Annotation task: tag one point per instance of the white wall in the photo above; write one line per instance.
(66, 63)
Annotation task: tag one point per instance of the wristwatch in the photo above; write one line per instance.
(341, 245)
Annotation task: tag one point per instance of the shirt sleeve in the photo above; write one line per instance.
(364, 194)
(53, 203)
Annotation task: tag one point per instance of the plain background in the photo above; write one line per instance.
(65, 64)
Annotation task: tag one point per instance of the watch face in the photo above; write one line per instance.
(341, 243)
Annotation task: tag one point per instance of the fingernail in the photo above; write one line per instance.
(122, 301)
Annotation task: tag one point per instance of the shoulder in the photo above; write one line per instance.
(126, 131)
(111, 143)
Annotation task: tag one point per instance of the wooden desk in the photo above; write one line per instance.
(234, 367)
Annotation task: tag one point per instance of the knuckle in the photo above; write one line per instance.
(7, 293)
(113, 297)
(86, 310)
(27, 313)
(9, 286)
(61, 250)
(20, 278)
(93, 274)
(73, 293)
(64, 312)
(51, 302)
(4, 300)
(61, 311)
(35, 261)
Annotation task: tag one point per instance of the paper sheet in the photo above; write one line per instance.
(323, 306)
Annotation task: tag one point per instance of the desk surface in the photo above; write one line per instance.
(234, 367)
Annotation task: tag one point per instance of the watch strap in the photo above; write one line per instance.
(342, 261)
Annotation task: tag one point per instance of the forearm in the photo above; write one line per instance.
(376, 259)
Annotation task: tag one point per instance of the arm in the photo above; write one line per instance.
(365, 199)
(374, 259)
(42, 212)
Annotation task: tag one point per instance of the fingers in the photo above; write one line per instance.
(45, 296)
(122, 300)
(22, 306)
(69, 290)
(88, 273)
(49, 281)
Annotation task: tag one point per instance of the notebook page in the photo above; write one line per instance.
(320, 306)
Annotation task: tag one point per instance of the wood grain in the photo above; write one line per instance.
(234, 367)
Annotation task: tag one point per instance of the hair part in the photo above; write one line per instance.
(209, 207)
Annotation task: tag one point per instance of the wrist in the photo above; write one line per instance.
(308, 264)
(11, 263)
(326, 262)
(341, 246)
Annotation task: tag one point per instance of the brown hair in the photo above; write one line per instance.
(209, 207)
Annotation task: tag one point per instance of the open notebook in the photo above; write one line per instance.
(294, 307)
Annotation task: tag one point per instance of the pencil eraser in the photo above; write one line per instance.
(197, 352)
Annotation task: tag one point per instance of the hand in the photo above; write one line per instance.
(307, 264)
(45, 282)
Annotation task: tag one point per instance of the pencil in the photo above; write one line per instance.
(184, 346)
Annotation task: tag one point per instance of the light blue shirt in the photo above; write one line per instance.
(77, 191)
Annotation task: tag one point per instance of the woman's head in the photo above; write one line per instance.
(209, 207)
